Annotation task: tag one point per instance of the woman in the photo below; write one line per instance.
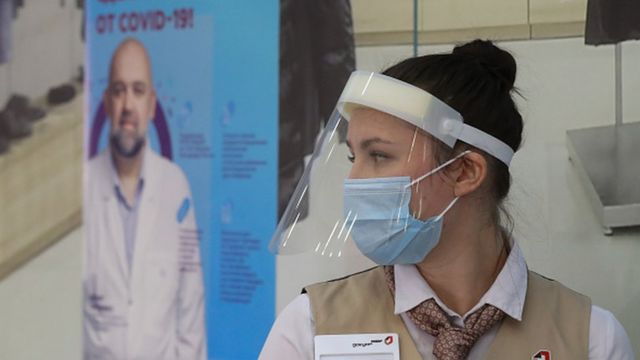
(426, 186)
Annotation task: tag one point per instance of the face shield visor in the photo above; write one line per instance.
(370, 180)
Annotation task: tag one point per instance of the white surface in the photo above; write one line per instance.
(40, 305)
(464, 14)
(357, 346)
(46, 49)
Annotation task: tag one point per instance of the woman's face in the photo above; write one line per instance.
(382, 145)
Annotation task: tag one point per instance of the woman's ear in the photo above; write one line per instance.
(470, 172)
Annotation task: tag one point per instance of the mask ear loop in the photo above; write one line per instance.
(453, 202)
(447, 163)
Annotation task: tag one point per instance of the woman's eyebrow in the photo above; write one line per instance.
(368, 142)
(376, 140)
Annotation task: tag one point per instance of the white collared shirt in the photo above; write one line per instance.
(291, 336)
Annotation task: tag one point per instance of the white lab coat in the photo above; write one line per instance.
(155, 310)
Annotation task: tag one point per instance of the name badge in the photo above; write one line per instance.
(357, 347)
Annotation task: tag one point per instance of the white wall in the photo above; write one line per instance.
(46, 48)
(41, 305)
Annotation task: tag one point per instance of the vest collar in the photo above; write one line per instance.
(507, 292)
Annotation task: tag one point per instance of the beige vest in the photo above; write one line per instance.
(555, 318)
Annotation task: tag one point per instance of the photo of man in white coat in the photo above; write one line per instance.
(142, 281)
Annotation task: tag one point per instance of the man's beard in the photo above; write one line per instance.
(126, 145)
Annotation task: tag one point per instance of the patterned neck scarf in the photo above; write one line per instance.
(452, 342)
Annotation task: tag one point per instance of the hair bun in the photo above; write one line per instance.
(496, 60)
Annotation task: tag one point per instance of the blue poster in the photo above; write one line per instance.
(180, 177)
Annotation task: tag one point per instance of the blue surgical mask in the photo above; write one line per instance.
(377, 211)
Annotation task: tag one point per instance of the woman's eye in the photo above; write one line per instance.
(351, 158)
(378, 156)
(375, 156)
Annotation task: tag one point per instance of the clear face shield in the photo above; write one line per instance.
(372, 183)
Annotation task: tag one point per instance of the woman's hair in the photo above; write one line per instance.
(477, 80)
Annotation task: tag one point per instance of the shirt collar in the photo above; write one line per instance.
(507, 292)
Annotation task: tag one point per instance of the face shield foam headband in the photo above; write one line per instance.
(417, 107)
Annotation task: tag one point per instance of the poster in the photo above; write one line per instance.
(180, 177)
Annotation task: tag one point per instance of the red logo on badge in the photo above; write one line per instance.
(542, 355)
(388, 340)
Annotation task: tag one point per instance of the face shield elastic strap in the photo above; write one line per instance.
(418, 107)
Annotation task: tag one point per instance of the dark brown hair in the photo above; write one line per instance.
(477, 80)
